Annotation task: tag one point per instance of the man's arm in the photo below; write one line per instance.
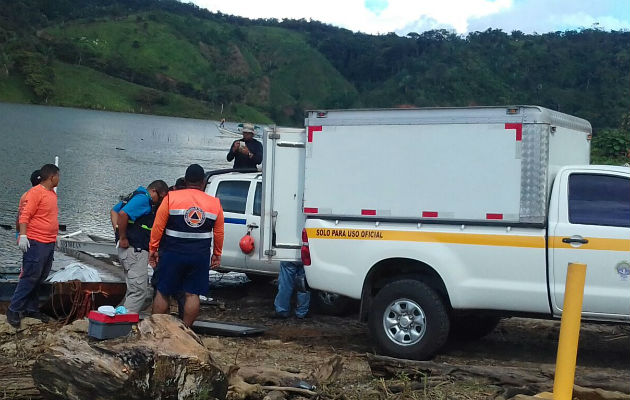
(113, 215)
(233, 149)
(123, 221)
(257, 151)
(31, 203)
(218, 233)
(159, 224)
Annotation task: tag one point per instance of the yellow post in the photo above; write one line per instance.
(569, 332)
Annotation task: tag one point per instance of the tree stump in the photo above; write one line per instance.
(162, 359)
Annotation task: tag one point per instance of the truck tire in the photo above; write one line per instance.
(471, 327)
(408, 319)
(330, 303)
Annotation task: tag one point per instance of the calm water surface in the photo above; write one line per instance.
(95, 170)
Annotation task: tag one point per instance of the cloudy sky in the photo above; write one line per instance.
(462, 16)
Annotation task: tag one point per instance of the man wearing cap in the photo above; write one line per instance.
(185, 224)
(246, 152)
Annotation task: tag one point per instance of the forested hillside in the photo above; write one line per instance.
(166, 57)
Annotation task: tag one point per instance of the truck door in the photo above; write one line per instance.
(233, 194)
(255, 262)
(593, 227)
(282, 193)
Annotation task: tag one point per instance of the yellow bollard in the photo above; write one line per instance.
(569, 332)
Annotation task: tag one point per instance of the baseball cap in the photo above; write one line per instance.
(194, 173)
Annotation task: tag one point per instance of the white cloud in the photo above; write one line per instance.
(353, 14)
(403, 16)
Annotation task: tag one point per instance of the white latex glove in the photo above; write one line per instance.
(23, 243)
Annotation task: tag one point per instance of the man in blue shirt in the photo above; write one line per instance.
(132, 219)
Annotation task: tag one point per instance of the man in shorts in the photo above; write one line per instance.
(185, 225)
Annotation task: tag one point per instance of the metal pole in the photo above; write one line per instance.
(569, 332)
(56, 164)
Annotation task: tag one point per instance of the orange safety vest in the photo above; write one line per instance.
(191, 218)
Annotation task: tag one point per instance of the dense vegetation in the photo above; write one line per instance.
(166, 57)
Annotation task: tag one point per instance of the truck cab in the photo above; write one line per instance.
(241, 198)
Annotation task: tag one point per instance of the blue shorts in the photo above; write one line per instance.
(181, 272)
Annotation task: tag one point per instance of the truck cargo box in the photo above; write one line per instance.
(490, 164)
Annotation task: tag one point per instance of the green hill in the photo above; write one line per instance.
(166, 57)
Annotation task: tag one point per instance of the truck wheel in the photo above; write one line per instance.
(330, 303)
(471, 327)
(408, 319)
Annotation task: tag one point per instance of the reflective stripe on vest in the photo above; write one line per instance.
(192, 214)
(188, 235)
(183, 212)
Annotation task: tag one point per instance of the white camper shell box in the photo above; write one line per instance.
(490, 164)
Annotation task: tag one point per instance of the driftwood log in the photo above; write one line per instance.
(161, 360)
(272, 383)
(532, 380)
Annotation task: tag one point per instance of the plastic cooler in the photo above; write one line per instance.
(105, 327)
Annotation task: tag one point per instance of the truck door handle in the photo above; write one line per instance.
(575, 240)
(252, 226)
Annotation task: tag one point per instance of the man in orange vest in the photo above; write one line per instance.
(184, 226)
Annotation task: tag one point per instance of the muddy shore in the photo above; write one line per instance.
(302, 345)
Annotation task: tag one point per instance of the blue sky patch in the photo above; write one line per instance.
(376, 6)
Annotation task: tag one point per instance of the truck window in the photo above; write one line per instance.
(599, 200)
(257, 198)
(233, 195)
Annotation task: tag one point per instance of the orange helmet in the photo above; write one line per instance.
(247, 244)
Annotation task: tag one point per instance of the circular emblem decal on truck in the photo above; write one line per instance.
(623, 270)
(194, 217)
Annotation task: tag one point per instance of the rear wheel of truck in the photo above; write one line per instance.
(331, 304)
(408, 319)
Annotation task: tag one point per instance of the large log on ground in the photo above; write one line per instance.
(531, 379)
(161, 360)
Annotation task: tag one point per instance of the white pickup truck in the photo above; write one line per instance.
(437, 220)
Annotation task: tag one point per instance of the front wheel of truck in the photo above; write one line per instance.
(408, 319)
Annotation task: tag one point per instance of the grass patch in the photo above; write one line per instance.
(13, 90)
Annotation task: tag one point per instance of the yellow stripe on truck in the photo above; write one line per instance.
(463, 238)
(427, 237)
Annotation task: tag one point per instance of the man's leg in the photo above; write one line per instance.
(32, 305)
(286, 281)
(168, 282)
(191, 309)
(160, 303)
(32, 266)
(137, 279)
(303, 295)
(194, 283)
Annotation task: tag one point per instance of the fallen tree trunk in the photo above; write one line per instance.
(162, 360)
(532, 379)
(15, 382)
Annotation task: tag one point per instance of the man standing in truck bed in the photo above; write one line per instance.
(246, 152)
(183, 230)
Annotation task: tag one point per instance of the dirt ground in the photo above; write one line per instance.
(302, 345)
